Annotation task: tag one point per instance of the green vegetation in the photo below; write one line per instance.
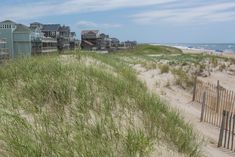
(182, 78)
(222, 67)
(164, 68)
(85, 105)
(149, 65)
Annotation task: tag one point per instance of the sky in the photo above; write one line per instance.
(147, 21)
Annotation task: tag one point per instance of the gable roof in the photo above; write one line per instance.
(35, 23)
(73, 33)
(64, 28)
(22, 28)
(51, 27)
(8, 21)
(84, 32)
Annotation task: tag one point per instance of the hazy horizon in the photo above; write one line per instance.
(152, 21)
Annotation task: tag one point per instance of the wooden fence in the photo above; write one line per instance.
(226, 137)
(214, 99)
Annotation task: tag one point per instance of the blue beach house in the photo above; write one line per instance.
(17, 37)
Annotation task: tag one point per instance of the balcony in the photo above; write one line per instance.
(4, 54)
(3, 41)
(4, 51)
(49, 49)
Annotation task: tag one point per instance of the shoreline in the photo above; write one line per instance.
(192, 50)
(198, 51)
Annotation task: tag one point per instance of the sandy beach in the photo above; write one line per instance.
(198, 51)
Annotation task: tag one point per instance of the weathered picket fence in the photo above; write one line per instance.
(226, 136)
(218, 108)
(214, 99)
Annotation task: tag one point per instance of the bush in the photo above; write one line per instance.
(222, 67)
(164, 68)
(182, 78)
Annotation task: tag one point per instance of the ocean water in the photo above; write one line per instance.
(218, 47)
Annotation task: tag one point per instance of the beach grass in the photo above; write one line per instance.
(86, 104)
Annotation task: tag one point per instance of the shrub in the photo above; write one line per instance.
(164, 68)
(222, 67)
(182, 78)
(214, 61)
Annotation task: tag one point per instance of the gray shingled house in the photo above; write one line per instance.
(17, 38)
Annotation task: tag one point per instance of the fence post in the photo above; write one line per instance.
(194, 88)
(226, 128)
(229, 130)
(218, 96)
(203, 106)
(221, 135)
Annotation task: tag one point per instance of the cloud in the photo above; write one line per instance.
(89, 24)
(33, 10)
(203, 13)
(171, 11)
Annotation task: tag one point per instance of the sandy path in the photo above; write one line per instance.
(227, 81)
(181, 100)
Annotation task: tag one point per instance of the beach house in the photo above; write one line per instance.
(40, 43)
(57, 32)
(115, 42)
(90, 39)
(130, 44)
(104, 42)
(17, 38)
(64, 38)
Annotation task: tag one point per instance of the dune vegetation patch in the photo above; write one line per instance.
(100, 108)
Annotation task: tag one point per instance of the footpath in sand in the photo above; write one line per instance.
(181, 100)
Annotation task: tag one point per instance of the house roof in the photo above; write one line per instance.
(64, 28)
(35, 23)
(22, 28)
(51, 27)
(84, 32)
(8, 21)
(73, 33)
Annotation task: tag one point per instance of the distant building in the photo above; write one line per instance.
(104, 42)
(58, 32)
(115, 42)
(130, 44)
(64, 38)
(93, 40)
(17, 38)
(51, 30)
(40, 43)
(20, 40)
(90, 39)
